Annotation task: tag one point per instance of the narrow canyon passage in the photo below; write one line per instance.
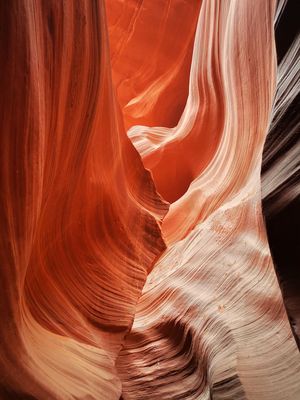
(149, 168)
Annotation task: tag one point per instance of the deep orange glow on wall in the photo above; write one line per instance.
(134, 255)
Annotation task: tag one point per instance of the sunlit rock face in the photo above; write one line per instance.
(135, 262)
(151, 51)
(80, 215)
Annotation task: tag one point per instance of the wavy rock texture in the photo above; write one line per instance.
(105, 293)
(281, 165)
(211, 317)
(80, 215)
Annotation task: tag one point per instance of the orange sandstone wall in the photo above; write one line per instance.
(134, 257)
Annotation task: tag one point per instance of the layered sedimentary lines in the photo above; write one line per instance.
(281, 166)
(211, 317)
(105, 290)
(211, 320)
(281, 178)
(80, 215)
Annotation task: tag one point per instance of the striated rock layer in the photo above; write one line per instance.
(104, 292)
(211, 319)
(281, 165)
(79, 213)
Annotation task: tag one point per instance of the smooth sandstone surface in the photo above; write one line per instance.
(135, 262)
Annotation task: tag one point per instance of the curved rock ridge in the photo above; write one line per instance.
(137, 266)
(211, 318)
(211, 321)
(281, 180)
(160, 146)
(219, 124)
(80, 217)
(281, 166)
(151, 48)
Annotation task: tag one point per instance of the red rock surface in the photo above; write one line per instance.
(79, 213)
(110, 111)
